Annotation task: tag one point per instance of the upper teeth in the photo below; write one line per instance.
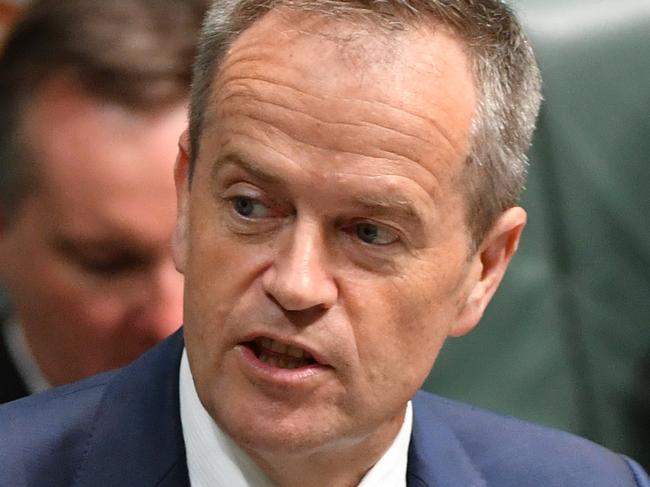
(282, 348)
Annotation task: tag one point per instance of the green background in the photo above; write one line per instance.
(566, 340)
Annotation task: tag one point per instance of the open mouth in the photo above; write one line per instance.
(280, 355)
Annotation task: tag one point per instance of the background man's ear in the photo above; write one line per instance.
(489, 266)
(181, 179)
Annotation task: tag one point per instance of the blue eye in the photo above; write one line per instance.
(249, 207)
(374, 234)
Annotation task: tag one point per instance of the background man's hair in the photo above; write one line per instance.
(504, 69)
(135, 53)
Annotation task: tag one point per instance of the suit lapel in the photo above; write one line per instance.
(11, 384)
(137, 426)
(436, 456)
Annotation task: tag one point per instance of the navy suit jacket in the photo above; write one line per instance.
(12, 386)
(123, 428)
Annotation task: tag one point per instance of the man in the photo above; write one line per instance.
(92, 99)
(347, 200)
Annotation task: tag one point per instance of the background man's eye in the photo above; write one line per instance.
(248, 207)
(374, 234)
(114, 266)
(98, 268)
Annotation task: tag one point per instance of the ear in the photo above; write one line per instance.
(488, 267)
(181, 179)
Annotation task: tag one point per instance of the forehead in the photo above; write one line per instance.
(99, 164)
(403, 99)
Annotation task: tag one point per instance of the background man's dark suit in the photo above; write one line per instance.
(11, 384)
(105, 431)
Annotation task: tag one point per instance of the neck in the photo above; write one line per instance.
(47, 358)
(340, 465)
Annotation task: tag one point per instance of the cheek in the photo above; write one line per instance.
(220, 266)
(219, 277)
(94, 314)
(57, 290)
(96, 304)
(400, 326)
(218, 272)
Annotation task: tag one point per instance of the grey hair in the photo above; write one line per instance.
(504, 68)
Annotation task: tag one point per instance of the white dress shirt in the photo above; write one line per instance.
(214, 460)
(22, 358)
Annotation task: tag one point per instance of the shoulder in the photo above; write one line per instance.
(43, 436)
(506, 451)
(99, 431)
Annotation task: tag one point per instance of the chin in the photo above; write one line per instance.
(273, 431)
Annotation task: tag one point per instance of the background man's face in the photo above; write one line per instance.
(325, 214)
(87, 259)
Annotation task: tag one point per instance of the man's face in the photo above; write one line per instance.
(323, 239)
(87, 257)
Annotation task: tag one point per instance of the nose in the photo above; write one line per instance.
(298, 278)
(161, 309)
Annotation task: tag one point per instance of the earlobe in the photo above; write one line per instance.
(181, 180)
(489, 266)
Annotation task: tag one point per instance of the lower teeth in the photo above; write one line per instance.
(281, 362)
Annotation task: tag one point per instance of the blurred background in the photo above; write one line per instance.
(9, 11)
(93, 98)
(566, 341)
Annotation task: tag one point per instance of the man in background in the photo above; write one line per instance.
(93, 96)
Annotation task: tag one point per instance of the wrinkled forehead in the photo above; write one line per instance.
(330, 96)
(294, 39)
(379, 58)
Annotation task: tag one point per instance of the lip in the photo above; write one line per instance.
(262, 372)
(316, 355)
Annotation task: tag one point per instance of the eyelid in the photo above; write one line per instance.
(395, 237)
(113, 266)
(242, 189)
(255, 202)
(399, 235)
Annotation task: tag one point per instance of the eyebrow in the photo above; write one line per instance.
(98, 245)
(393, 206)
(236, 160)
(373, 204)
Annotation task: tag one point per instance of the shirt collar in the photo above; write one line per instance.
(214, 460)
(22, 357)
